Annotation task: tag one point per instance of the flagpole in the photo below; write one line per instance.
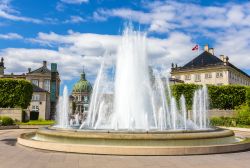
(198, 49)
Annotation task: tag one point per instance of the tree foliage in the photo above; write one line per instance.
(15, 93)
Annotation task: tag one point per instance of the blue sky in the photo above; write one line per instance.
(62, 31)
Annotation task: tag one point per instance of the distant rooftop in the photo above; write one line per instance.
(42, 69)
(204, 59)
(207, 59)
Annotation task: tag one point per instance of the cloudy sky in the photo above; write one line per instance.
(76, 33)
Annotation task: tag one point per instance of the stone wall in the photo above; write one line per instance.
(14, 113)
(218, 113)
(222, 113)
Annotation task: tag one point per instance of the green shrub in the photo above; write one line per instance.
(242, 118)
(243, 115)
(223, 121)
(38, 122)
(5, 121)
(248, 96)
(15, 93)
(216, 121)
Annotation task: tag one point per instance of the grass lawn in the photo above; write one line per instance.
(243, 126)
(37, 122)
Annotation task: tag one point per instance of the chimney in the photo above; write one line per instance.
(226, 59)
(2, 62)
(211, 51)
(45, 63)
(222, 57)
(206, 47)
(29, 70)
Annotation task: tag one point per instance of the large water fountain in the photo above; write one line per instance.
(134, 113)
(138, 101)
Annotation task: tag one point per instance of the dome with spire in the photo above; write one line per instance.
(82, 85)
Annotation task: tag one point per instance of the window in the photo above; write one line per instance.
(187, 77)
(35, 82)
(36, 97)
(79, 98)
(47, 84)
(178, 77)
(219, 75)
(86, 107)
(208, 75)
(197, 77)
(35, 108)
(85, 99)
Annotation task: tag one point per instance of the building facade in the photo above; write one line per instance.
(40, 102)
(80, 96)
(42, 78)
(210, 69)
(46, 86)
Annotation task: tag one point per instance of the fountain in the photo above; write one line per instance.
(135, 113)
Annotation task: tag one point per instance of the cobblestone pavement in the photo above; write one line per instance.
(13, 155)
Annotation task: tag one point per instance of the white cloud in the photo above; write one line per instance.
(77, 49)
(235, 44)
(10, 36)
(97, 16)
(74, 1)
(75, 19)
(227, 25)
(60, 7)
(165, 16)
(7, 12)
(17, 60)
(74, 50)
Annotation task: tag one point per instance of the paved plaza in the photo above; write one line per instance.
(16, 156)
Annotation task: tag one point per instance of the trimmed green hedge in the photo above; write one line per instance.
(185, 89)
(221, 97)
(15, 93)
(226, 97)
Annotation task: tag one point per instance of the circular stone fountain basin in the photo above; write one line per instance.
(135, 143)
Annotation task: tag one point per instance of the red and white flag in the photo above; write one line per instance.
(196, 47)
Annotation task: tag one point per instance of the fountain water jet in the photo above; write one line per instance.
(62, 115)
(135, 93)
(200, 108)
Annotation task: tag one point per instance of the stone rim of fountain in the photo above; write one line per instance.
(99, 148)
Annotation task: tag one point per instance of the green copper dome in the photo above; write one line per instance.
(82, 85)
